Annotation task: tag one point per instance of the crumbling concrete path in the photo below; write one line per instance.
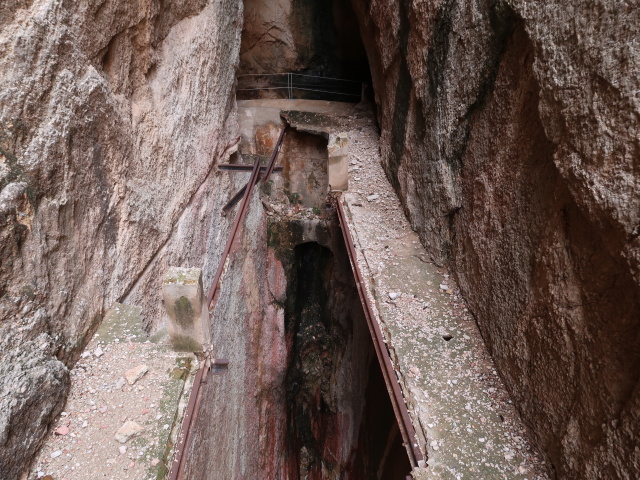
(455, 398)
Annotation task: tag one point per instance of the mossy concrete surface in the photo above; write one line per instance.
(183, 297)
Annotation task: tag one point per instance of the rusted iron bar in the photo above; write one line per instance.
(255, 176)
(235, 167)
(177, 465)
(239, 194)
(235, 199)
(274, 155)
(393, 387)
(217, 365)
(234, 230)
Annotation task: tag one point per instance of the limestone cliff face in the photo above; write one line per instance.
(312, 36)
(112, 115)
(511, 132)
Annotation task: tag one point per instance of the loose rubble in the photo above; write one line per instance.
(135, 374)
(127, 431)
(111, 428)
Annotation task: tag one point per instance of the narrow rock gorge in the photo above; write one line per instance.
(511, 133)
(509, 130)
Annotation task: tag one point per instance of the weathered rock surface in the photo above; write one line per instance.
(31, 396)
(112, 118)
(312, 36)
(511, 132)
(290, 323)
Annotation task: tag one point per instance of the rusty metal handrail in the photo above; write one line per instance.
(393, 387)
(191, 414)
(238, 167)
(177, 465)
(248, 189)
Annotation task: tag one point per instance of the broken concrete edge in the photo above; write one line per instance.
(337, 143)
(176, 424)
(182, 276)
(420, 473)
(338, 163)
(369, 291)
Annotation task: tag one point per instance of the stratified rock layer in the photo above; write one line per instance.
(112, 117)
(511, 132)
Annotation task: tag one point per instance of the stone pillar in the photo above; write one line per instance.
(338, 148)
(188, 317)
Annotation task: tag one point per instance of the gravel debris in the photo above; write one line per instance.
(82, 443)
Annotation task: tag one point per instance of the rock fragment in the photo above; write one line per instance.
(129, 430)
(136, 373)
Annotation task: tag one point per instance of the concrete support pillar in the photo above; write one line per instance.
(188, 317)
(338, 148)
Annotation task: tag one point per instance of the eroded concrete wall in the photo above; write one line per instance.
(511, 133)
(112, 115)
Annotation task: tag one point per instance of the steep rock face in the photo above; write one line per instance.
(112, 118)
(294, 389)
(313, 36)
(511, 132)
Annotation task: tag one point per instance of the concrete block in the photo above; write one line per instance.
(338, 149)
(188, 317)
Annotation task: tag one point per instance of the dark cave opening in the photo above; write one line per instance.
(310, 49)
(340, 421)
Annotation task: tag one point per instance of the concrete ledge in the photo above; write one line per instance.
(183, 298)
(338, 148)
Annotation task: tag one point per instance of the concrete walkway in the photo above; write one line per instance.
(457, 402)
(123, 378)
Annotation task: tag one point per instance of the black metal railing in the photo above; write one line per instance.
(298, 85)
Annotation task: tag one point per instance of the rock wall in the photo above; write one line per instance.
(511, 132)
(312, 36)
(290, 323)
(112, 118)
